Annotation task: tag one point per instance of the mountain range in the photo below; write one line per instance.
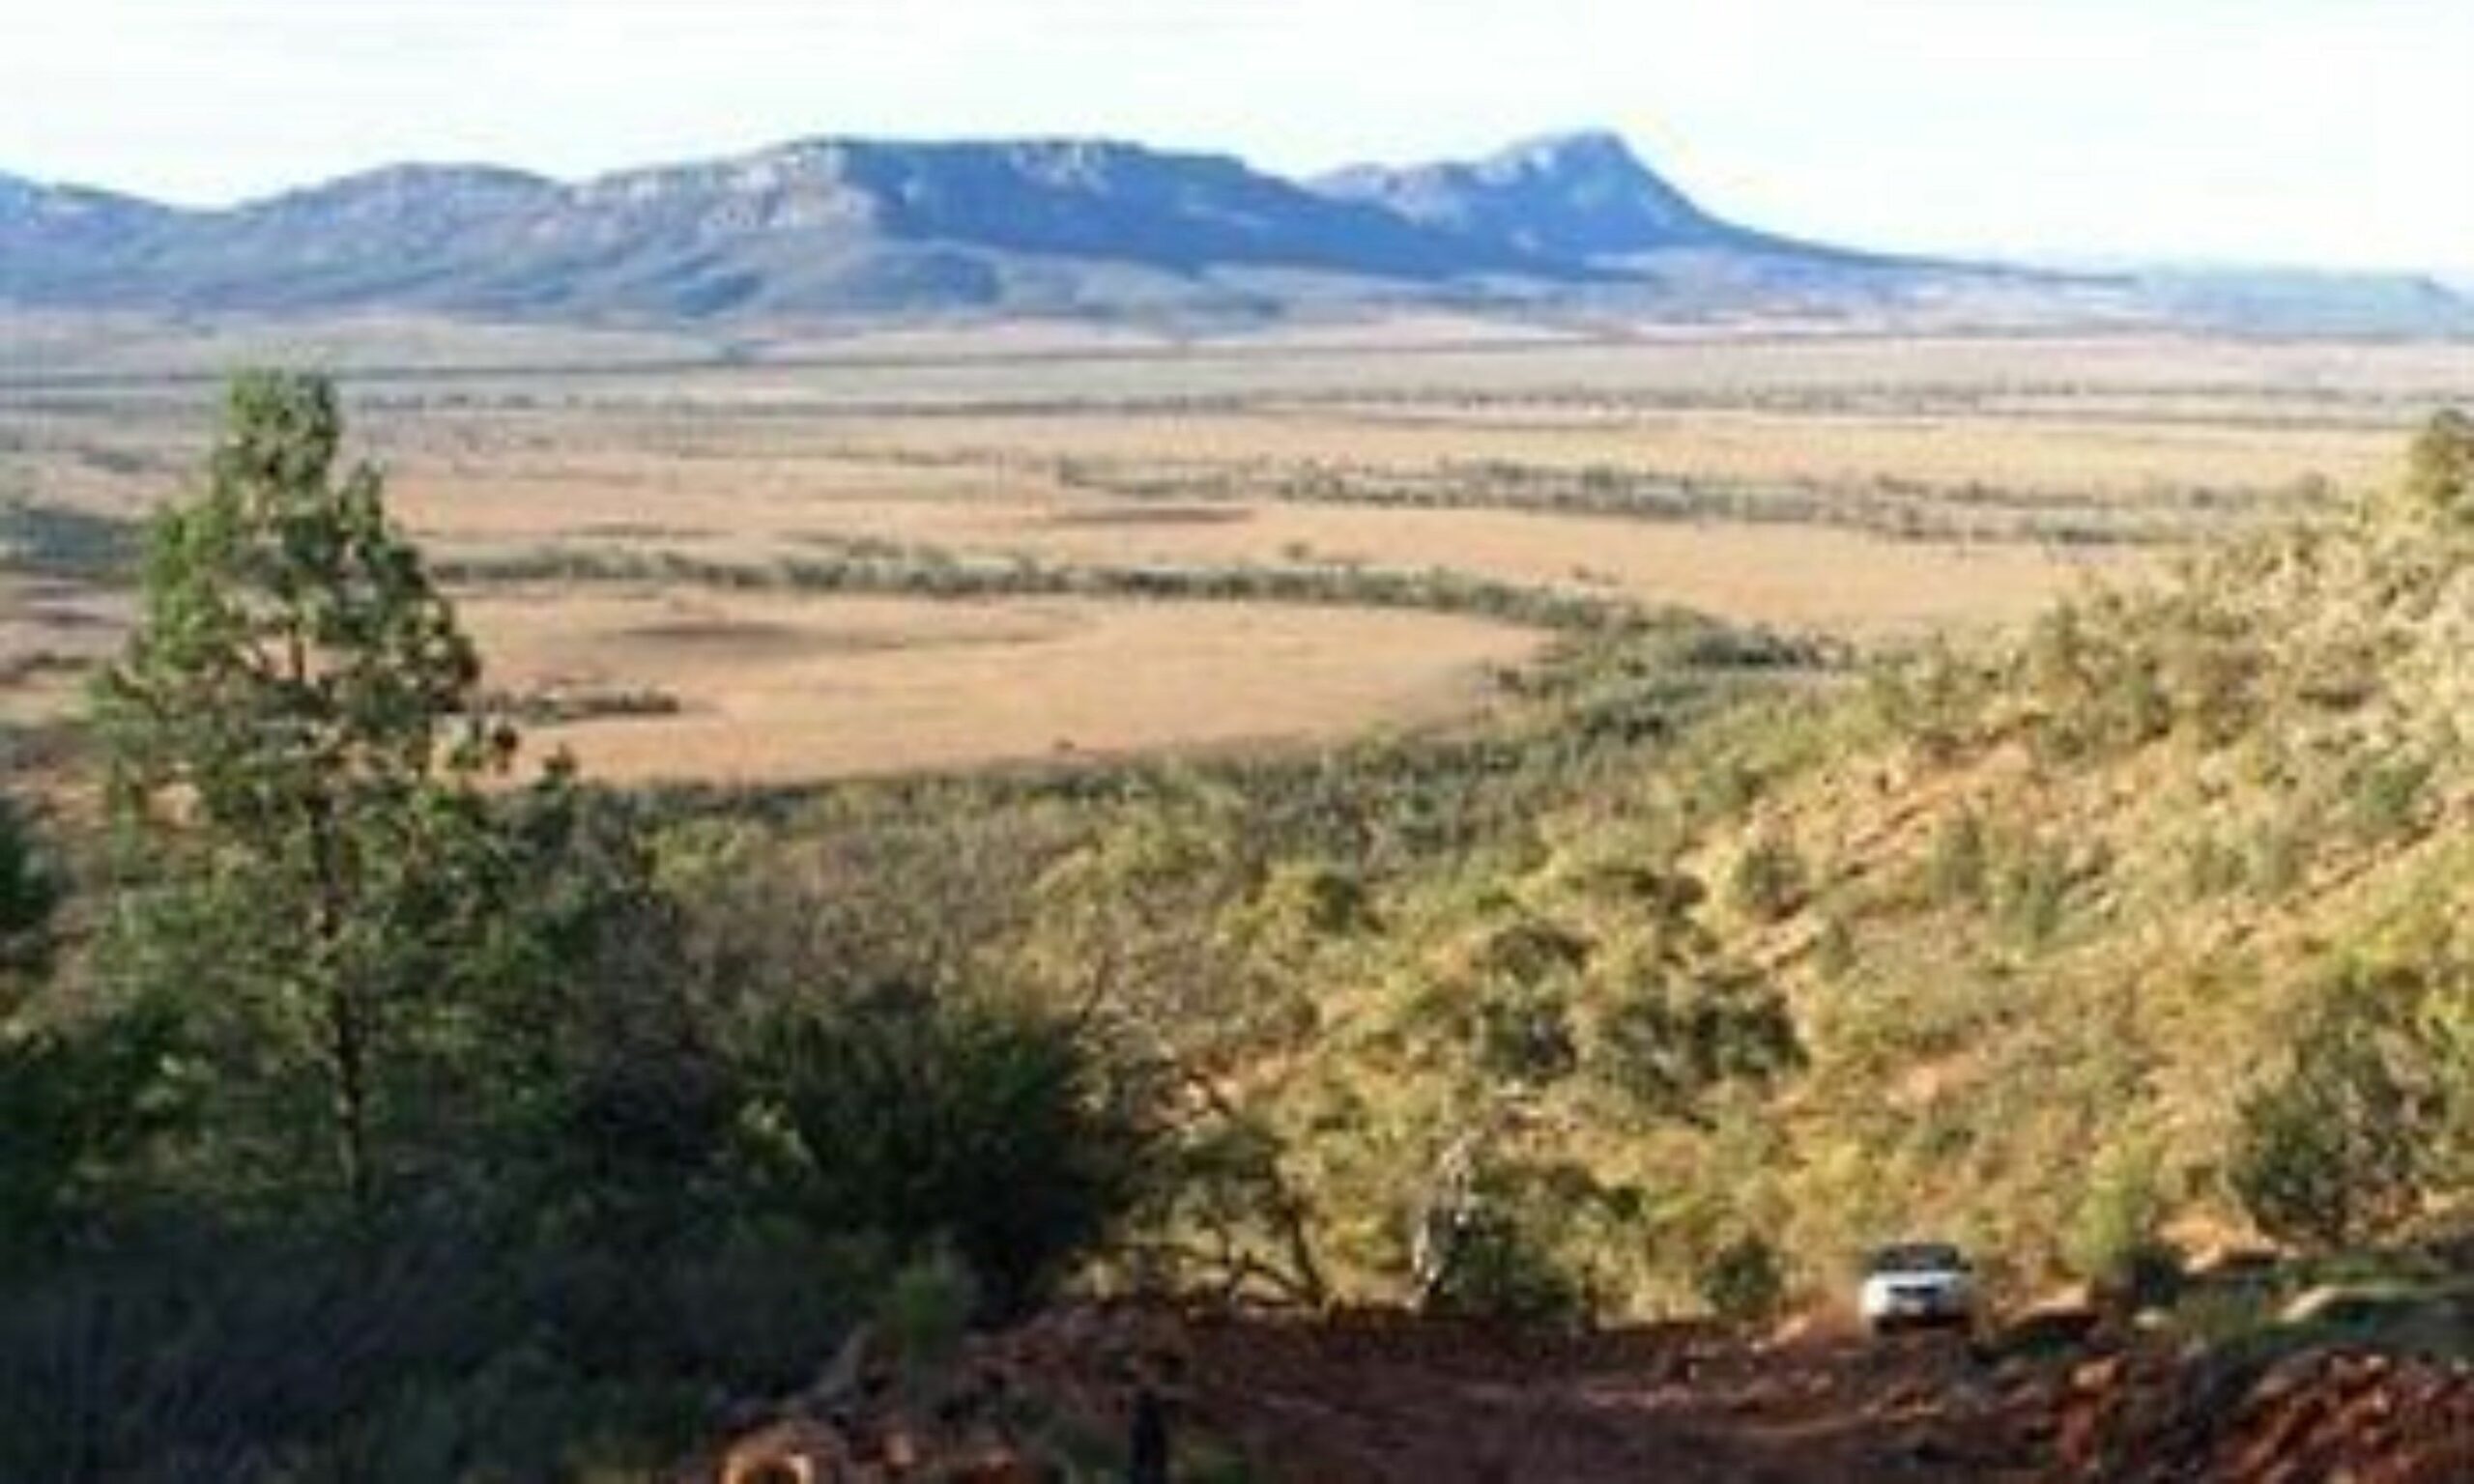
(843, 228)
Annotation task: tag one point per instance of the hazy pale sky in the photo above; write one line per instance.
(2334, 132)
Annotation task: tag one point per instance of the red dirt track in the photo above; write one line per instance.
(1391, 1399)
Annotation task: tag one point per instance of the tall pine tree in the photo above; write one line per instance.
(297, 745)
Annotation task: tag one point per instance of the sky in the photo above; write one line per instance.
(2330, 133)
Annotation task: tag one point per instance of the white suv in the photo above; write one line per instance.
(1917, 1283)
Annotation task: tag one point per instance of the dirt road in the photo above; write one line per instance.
(1360, 1400)
(1392, 1399)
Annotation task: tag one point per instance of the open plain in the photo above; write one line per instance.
(1116, 508)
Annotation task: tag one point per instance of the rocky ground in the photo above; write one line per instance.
(1367, 1398)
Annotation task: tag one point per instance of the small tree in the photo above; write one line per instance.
(2439, 470)
(1678, 1034)
(947, 1121)
(294, 736)
(1769, 882)
(1744, 1282)
(2334, 1152)
(1488, 1243)
(2113, 1237)
(1524, 1034)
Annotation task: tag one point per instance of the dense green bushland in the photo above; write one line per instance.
(373, 1113)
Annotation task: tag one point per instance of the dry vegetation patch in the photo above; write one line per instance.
(2124, 456)
(777, 688)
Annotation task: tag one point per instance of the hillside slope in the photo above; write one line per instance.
(2010, 945)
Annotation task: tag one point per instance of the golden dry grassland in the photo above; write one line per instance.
(775, 689)
(1871, 489)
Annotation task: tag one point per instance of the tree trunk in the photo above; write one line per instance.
(347, 1016)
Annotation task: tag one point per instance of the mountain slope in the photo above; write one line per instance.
(836, 227)
(1069, 198)
(56, 240)
(816, 226)
(1580, 197)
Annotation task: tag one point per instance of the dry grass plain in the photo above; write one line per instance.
(2028, 451)
(1872, 489)
(774, 689)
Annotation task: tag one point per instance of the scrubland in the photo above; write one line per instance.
(1545, 832)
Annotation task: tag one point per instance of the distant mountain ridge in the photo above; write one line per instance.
(851, 227)
(1578, 197)
(818, 226)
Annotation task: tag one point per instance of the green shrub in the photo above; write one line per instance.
(1928, 698)
(2333, 1152)
(2439, 470)
(2034, 891)
(2135, 708)
(927, 1309)
(1769, 880)
(1495, 1251)
(1504, 1272)
(947, 1119)
(1674, 1038)
(2386, 797)
(77, 1106)
(1525, 1035)
(1745, 1282)
(2112, 1240)
(1957, 871)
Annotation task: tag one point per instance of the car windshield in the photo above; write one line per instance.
(1918, 1257)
